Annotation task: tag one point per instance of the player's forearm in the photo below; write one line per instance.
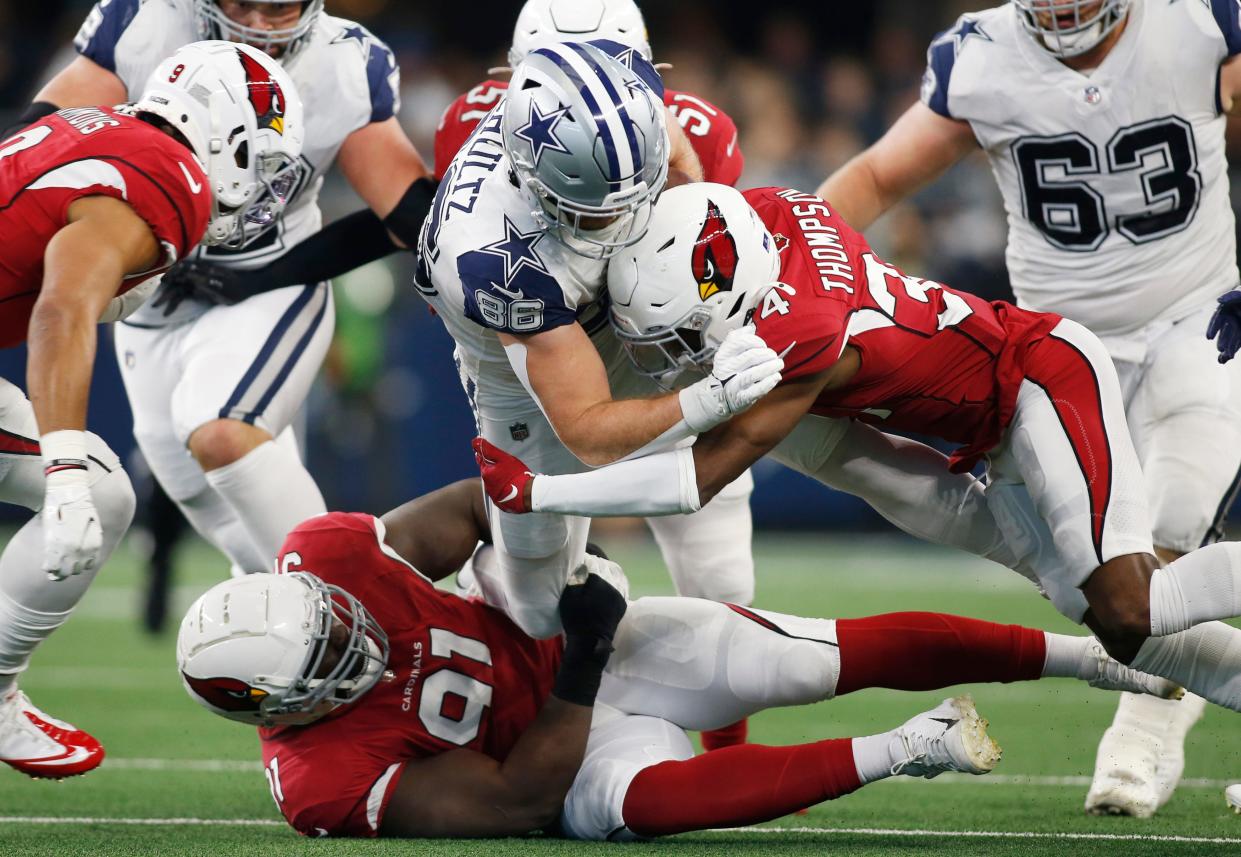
(542, 765)
(61, 348)
(609, 431)
(854, 191)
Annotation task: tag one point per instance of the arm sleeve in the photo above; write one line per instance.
(107, 21)
(663, 484)
(1228, 15)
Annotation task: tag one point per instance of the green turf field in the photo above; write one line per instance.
(181, 782)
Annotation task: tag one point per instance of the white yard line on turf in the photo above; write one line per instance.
(235, 766)
(810, 831)
(985, 834)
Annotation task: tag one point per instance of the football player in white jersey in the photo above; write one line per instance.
(513, 257)
(1104, 124)
(214, 387)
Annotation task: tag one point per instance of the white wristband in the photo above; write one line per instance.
(64, 455)
(663, 484)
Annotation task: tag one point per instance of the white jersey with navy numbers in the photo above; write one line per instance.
(346, 77)
(1114, 181)
(487, 265)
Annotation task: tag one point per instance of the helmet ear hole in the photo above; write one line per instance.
(242, 155)
(736, 305)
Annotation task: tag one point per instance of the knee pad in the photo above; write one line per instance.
(111, 490)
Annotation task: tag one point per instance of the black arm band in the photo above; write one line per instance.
(336, 249)
(581, 669)
(33, 113)
(405, 221)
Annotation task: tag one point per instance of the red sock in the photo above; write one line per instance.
(924, 651)
(725, 736)
(736, 786)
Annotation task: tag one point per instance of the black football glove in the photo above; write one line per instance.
(594, 607)
(1225, 325)
(204, 281)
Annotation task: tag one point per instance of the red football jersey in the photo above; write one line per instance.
(933, 360)
(89, 151)
(461, 674)
(711, 131)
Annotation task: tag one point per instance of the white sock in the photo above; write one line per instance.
(214, 519)
(271, 492)
(873, 757)
(1198, 587)
(1206, 659)
(1065, 655)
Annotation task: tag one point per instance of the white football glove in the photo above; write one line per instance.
(72, 535)
(744, 371)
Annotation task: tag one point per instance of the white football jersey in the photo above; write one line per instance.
(1114, 181)
(346, 77)
(487, 265)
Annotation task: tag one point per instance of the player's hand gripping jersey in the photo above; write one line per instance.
(461, 674)
(82, 152)
(711, 131)
(1115, 182)
(933, 360)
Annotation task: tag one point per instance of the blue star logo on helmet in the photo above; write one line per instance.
(517, 250)
(540, 131)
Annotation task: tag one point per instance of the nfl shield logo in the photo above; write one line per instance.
(519, 431)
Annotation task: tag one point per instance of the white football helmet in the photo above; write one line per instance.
(214, 24)
(242, 117)
(704, 264)
(588, 145)
(549, 21)
(1069, 28)
(252, 649)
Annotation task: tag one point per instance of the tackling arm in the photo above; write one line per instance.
(437, 532)
(915, 151)
(681, 154)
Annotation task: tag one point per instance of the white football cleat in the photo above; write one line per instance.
(1232, 796)
(1124, 777)
(1142, 755)
(42, 746)
(1111, 674)
(949, 737)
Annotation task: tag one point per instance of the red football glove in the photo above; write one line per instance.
(505, 477)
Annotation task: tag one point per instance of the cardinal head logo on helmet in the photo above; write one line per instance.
(265, 94)
(714, 260)
(227, 694)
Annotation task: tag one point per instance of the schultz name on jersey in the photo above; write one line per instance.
(1115, 182)
(346, 77)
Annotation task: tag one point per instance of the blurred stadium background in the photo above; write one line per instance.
(808, 83)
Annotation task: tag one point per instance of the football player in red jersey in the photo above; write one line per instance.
(707, 559)
(709, 129)
(388, 707)
(95, 201)
(1034, 393)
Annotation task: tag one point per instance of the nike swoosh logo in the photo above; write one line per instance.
(78, 754)
(786, 351)
(195, 187)
(512, 492)
(947, 721)
(732, 146)
(514, 294)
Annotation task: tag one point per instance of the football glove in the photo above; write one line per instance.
(594, 601)
(72, 535)
(1225, 326)
(203, 281)
(506, 478)
(744, 371)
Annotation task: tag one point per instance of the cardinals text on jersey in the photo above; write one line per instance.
(460, 674)
(89, 151)
(1115, 183)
